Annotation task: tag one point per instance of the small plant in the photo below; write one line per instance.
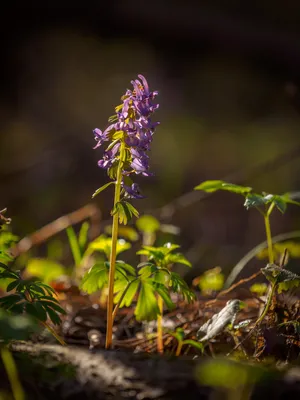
(264, 203)
(29, 297)
(180, 336)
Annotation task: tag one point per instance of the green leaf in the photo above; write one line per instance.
(284, 278)
(130, 294)
(214, 185)
(254, 200)
(95, 278)
(53, 305)
(177, 258)
(83, 235)
(193, 343)
(53, 316)
(102, 188)
(147, 270)
(280, 203)
(103, 244)
(148, 224)
(146, 308)
(127, 232)
(126, 268)
(12, 285)
(288, 198)
(45, 269)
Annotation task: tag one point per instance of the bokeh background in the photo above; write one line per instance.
(228, 76)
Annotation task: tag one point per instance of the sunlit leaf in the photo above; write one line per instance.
(103, 244)
(148, 224)
(177, 258)
(127, 232)
(214, 185)
(45, 269)
(211, 280)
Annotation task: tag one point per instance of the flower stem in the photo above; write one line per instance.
(160, 343)
(113, 255)
(268, 233)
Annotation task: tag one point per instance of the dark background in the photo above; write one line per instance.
(227, 73)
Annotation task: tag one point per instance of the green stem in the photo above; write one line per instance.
(113, 255)
(267, 305)
(179, 347)
(160, 343)
(268, 233)
(12, 373)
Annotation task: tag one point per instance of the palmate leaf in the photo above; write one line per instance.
(147, 308)
(147, 269)
(95, 278)
(102, 188)
(214, 185)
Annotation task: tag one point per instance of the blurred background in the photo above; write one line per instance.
(228, 77)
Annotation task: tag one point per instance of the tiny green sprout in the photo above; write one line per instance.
(179, 335)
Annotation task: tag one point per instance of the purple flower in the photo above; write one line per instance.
(132, 191)
(133, 119)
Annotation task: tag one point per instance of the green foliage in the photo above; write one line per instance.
(153, 278)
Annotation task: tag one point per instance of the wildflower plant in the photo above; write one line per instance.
(129, 137)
